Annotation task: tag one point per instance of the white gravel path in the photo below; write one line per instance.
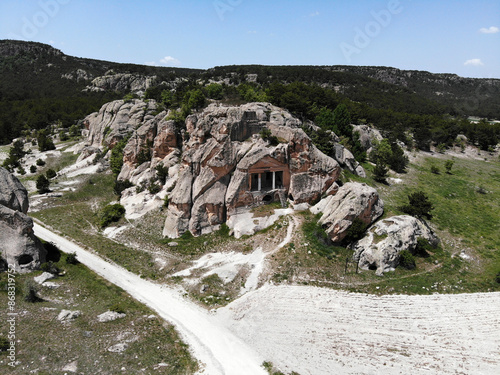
(215, 346)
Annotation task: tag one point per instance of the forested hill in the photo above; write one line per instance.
(40, 85)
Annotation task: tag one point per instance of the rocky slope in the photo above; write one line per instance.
(20, 248)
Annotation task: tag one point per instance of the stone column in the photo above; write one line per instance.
(274, 180)
(260, 182)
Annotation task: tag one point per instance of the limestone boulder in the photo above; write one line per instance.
(383, 242)
(352, 200)
(116, 120)
(367, 135)
(20, 247)
(12, 193)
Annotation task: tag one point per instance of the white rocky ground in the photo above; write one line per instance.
(320, 331)
(316, 331)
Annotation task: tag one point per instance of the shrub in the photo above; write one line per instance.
(380, 172)
(111, 213)
(355, 232)
(497, 279)
(21, 170)
(448, 165)
(31, 292)
(42, 184)
(187, 235)
(422, 249)
(224, 230)
(407, 260)
(50, 267)
(121, 185)
(434, 169)
(72, 259)
(50, 174)
(162, 173)
(53, 253)
(45, 142)
(40, 162)
(4, 344)
(419, 206)
(117, 308)
(166, 201)
(154, 188)
(33, 169)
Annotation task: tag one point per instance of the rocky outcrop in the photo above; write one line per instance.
(20, 248)
(353, 200)
(381, 246)
(224, 156)
(218, 162)
(123, 83)
(367, 136)
(116, 120)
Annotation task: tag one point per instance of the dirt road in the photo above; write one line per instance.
(220, 351)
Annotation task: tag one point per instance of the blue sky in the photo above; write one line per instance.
(460, 36)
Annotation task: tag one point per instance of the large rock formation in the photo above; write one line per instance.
(353, 200)
(20, 247)
(384, 241)
(227, 166)
(219, 161)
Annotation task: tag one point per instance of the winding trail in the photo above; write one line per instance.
(219, 350)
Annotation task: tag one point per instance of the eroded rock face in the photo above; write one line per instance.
(384, 241)
(116, 120)
(225, 156)
(217, 161)
(20, 248)
(353, 200)
(122, 82)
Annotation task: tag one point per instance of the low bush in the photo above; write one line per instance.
(72, 259)
(50, 174)
(355, 232)
(121, 185)
(31, 292)
(50, 267)
(111, 213)
(407, 260)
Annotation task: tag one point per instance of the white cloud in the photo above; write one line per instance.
(152, 63)
(169, 60)
(490, 30)
(315, 14)
(252, 32)
(474, 62)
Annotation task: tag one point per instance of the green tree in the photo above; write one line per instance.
(215, 91)
(45, 142)
(342, 121)
(380, 172)
(325, 119)
(116, 159)
(42, 184)
(419, 205)
(196, 99)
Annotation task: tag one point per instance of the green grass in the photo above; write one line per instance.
(77, 215)
(46, 345)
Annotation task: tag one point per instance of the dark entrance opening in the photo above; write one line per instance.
(25, 259)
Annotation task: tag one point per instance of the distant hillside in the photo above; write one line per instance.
(40, 85)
